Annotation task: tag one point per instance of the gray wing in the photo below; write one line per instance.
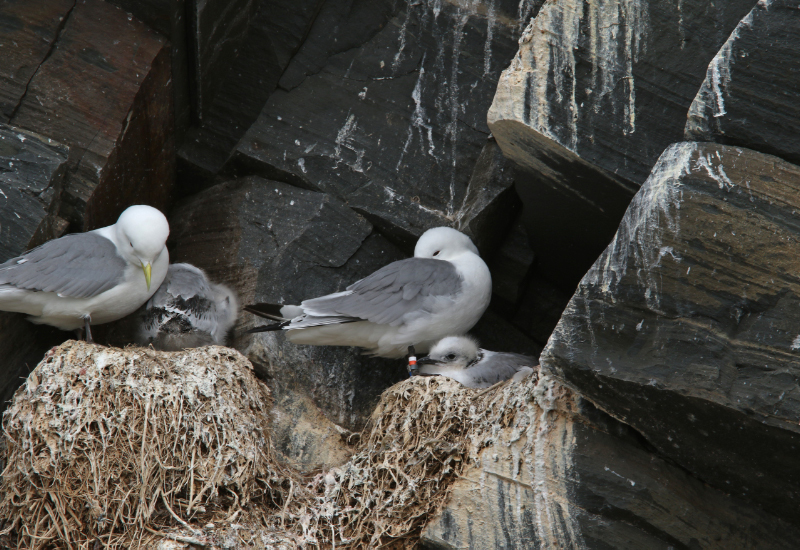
(182, 281)
(187, 310)
(81, 265)
(386, 296)
(496, 367)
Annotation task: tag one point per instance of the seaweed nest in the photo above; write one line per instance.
(108, 447)
(419, 438)
(126, 448)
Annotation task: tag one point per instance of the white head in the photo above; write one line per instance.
(443, 243)
(227, 307)
(141, 233)
(453, 352)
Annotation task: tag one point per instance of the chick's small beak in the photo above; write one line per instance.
(146, 269)
(427, 361)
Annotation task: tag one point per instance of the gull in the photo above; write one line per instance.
(89, 278)
(444, 289)
(460, 358)
(187, 311)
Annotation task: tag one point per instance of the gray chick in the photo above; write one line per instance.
(460, 358)
(187, 311)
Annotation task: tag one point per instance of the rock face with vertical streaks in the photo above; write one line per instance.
(751, 94)
(279, 244)
(562, 474)
(275, 31)
(595, 94)
(217, 29)
(686, 328)
(104, 90)
(386, 108)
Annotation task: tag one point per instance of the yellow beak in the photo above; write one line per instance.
(146, 269)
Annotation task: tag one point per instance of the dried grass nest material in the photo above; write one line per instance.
(106, 446)
(171, 450)
(419, 438)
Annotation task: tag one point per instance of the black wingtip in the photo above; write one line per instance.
(268, 311)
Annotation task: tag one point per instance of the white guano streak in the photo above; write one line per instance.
(639, 243)
(614, 44)
(711, 96)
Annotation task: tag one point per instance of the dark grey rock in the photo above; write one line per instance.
(751, 95)
(511, 264)
(29, 30)
(275, 243)
(32, 171)
(105, 92)
(393, 120)
(22, 347)
(686, 327)
(592, 99)
(561, 474)
(217, 29)
(490, 203)
(274, 34)
(168, 18)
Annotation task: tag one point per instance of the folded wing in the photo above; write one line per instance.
(390, 296)
(82, 265)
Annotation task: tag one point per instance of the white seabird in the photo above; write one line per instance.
(460, 358)
(89, 278)
(444, 289)
(187, 311)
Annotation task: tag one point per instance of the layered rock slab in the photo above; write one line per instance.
(595, 94)
(32, 170)
(29, 30)
(751, 94)
(274, 33)
(558, 473)
(686, 327)
(104, 90)
(275, 243)
(394, 124)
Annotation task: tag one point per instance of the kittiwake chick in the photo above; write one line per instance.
(187, 311)
(460, 358)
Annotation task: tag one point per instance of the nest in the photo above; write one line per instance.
(109, 446)
(419, 438)
(119, 448)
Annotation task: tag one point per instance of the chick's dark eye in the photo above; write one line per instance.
(450, 356)
(436, 253)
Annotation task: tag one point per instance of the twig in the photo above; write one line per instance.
(180, 538)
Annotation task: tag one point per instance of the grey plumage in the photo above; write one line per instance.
(444, 289)
(186, 311)
(81, 265)
(492, 367)
(459, 358)
(387, 296)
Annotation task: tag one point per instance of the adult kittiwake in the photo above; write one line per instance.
(89, 278)
(187, 311)
(460, 358)
(444, 289)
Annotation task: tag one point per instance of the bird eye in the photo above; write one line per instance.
(450, 356)
(436, 253)
(130, 243)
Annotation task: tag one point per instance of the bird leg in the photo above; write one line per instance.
(412, 361)
(88, 329)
